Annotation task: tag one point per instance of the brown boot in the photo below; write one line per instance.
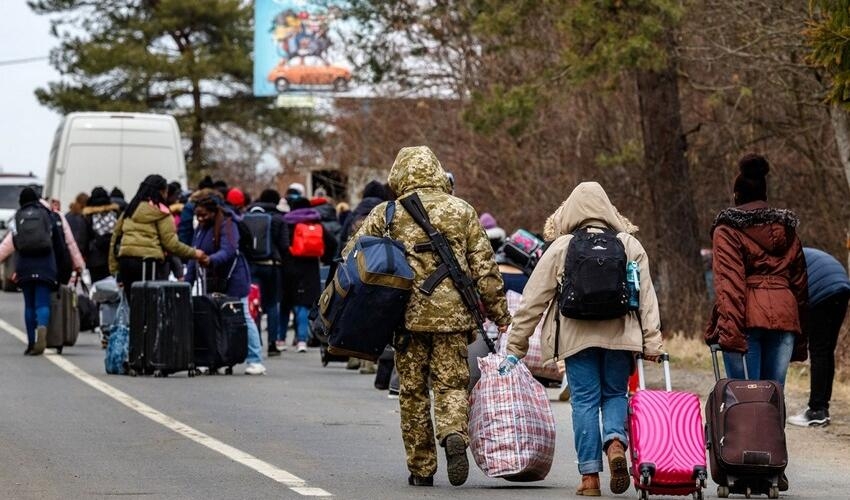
(589, 486)
(618, 466)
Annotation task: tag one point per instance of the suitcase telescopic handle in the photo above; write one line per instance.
(715, 348)
(663, 359)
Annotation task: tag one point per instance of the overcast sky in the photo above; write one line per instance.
(26, 127)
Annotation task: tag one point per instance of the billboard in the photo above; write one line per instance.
(294, 54)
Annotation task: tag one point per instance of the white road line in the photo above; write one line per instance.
(291, 481)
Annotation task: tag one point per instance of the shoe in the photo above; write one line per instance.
(272, 352)
(28, 350)
(353, 364)
(589, 486)
(414, 480)
(255, 369)
(302, 347)
(619, 467)
(393, 394)
(368, 368)
(565, 394)
(457, 463)
(40, 340)
(281, 345)
(810, 418)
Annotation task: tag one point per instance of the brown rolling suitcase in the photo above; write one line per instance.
(745, 434)
(64, 326)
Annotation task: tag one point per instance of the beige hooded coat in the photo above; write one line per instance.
(587, 205)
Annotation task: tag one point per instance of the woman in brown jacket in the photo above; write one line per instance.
(759, 280)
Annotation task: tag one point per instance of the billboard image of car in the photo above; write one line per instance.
(293, 48)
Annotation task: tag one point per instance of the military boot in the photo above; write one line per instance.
(457, 462)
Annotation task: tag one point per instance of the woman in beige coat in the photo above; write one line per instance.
(599, 353)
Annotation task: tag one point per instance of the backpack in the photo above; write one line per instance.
(365, 302)
(593, 285)
(525, 249)
(103, 225)
(259, 225)
(308, 240)
(33, 230)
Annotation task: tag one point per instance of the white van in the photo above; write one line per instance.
(112, 150)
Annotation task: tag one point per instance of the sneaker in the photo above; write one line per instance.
(353, 364)
(414, 480)
(393, 394)
(40, 340)
(810, 418)
(255, 369)
(28, 350)
(281, 345)
(457, 463)
(302, 347)
(619, 467)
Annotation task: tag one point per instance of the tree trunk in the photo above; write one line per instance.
(196, 159)
(841, 130)
(676, 260)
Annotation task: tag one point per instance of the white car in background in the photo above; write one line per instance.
(11, 186)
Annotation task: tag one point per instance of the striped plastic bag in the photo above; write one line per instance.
(511, 426)
(118, 348)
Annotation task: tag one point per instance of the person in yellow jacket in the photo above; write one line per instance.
(599, 353)
(143, 235)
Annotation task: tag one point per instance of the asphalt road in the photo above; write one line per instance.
(63, 437)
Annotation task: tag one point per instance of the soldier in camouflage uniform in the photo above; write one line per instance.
(438, 326)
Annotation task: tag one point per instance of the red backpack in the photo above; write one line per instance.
(308, 240)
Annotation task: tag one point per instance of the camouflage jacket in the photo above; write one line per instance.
(417, 170)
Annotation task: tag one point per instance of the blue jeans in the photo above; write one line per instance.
(599, 380)
(768, 355)
(268, 279)
(254, 348)
(302, 326)
(36, 307)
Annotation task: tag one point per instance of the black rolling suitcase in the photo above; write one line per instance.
(745, 434)
(161, 328)
(221, 331)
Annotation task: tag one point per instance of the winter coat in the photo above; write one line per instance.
(227, 266)
(186, 226)
(301, 277)
(71, 251)
(147, 234)
(97, 234)
(826, 276)
(417, 170)
(279, 229)
(759, 275)
(588, 205)
(77, 223)
(42, 268)
(330, 222)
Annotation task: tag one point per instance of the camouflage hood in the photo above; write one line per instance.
(587, 203)
(417, 168)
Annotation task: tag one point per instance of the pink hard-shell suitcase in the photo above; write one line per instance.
(666, 439)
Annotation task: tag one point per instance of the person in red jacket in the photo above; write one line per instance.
(759, 280)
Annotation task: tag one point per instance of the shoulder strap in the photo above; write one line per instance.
(389, 215)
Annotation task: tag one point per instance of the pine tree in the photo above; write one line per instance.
(189, 59)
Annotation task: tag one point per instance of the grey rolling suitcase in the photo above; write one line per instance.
(64, 326)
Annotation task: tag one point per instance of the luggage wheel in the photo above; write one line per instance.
(698, 495)
(644, 495)
(723, 491)
(59, 350)
(159, 374)
(228, 370)
(773, 492)
(131, 372)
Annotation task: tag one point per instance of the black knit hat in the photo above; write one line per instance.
(28, 195)
(751, 183)
(99, 197)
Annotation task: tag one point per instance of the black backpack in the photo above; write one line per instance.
(594, 281)
(33, 230)
(259, 225)
(246, 240)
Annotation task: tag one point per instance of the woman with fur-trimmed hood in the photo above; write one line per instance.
(599, 353)
(100, 215)
(759, 280)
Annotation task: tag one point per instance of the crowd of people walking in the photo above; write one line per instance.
(220, 238)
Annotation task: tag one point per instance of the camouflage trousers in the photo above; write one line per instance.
(440, 358)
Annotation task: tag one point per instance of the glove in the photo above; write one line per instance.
(508, 364)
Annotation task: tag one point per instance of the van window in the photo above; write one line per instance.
(9, 195)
